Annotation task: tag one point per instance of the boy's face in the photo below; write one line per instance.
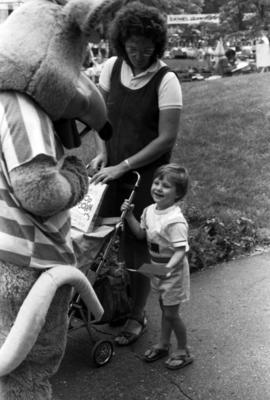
(163, 192)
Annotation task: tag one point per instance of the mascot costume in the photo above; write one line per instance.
(43, 90)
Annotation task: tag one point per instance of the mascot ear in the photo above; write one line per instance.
(83, 14)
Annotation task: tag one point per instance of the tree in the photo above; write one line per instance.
(170, 6)
(184, 6)
(263, 10)
(212, 6)
(233, 15)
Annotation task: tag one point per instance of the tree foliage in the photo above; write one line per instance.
(212, 6)
(170, 6)
(232, 14)
(184, 6)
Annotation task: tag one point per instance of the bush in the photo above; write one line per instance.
(213, 241)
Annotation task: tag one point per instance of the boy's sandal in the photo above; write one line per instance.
(155, 353)
(178, 361)
(132, 331)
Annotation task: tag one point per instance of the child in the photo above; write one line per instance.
(166, 230)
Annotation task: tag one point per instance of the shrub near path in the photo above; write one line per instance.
(224, 142)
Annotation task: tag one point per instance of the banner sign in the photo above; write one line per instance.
(192, 19)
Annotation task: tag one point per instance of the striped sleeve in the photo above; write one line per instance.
(143, 219)
(178, 234)
(26, 130)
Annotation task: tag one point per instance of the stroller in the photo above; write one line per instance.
(97, 260)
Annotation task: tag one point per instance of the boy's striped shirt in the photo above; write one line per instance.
(166, 230)
(26, 240)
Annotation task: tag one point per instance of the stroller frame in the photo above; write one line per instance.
(103, 349)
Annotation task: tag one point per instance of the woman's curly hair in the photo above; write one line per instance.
(137, 19)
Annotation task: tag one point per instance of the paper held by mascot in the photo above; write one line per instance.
(42, 91)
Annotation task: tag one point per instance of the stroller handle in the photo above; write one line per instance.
(135, 187)
(119, 225)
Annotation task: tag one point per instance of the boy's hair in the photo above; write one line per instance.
(177, 175)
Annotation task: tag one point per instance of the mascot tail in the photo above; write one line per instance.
(32, 314)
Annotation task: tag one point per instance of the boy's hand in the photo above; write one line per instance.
(170, 271)
(165, 276)
(126, 206)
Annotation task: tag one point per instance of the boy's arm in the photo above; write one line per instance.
(135, 226)
(177, 257)
(164, 270)
(178, 236)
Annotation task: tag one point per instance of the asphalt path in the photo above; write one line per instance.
(228, 322)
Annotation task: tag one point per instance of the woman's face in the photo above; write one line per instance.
(139, 51)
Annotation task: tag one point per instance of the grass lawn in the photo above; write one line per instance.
(181, 64)
(224, 142)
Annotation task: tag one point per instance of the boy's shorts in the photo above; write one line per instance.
(175, 289)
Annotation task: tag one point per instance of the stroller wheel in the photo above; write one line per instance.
(102, 352)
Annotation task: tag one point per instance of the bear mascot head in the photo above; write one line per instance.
(43, 90)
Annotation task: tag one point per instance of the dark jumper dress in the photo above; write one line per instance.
(134, 115)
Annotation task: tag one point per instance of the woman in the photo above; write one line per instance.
(144, 102)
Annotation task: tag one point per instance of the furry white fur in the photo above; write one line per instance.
(42, 48)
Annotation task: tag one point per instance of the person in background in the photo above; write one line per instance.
(95, 49)
(144, 102)
(166, 230)
(103, 49)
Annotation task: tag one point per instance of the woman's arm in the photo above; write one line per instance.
(135, 226)
(169, 125)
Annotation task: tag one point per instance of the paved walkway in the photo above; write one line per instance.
(228, 321)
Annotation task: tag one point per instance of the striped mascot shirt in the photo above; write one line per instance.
(166, 230)
(26, 240)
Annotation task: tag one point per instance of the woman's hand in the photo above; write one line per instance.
(98, 163)
(108, 174)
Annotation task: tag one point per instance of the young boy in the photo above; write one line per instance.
(166, 230)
